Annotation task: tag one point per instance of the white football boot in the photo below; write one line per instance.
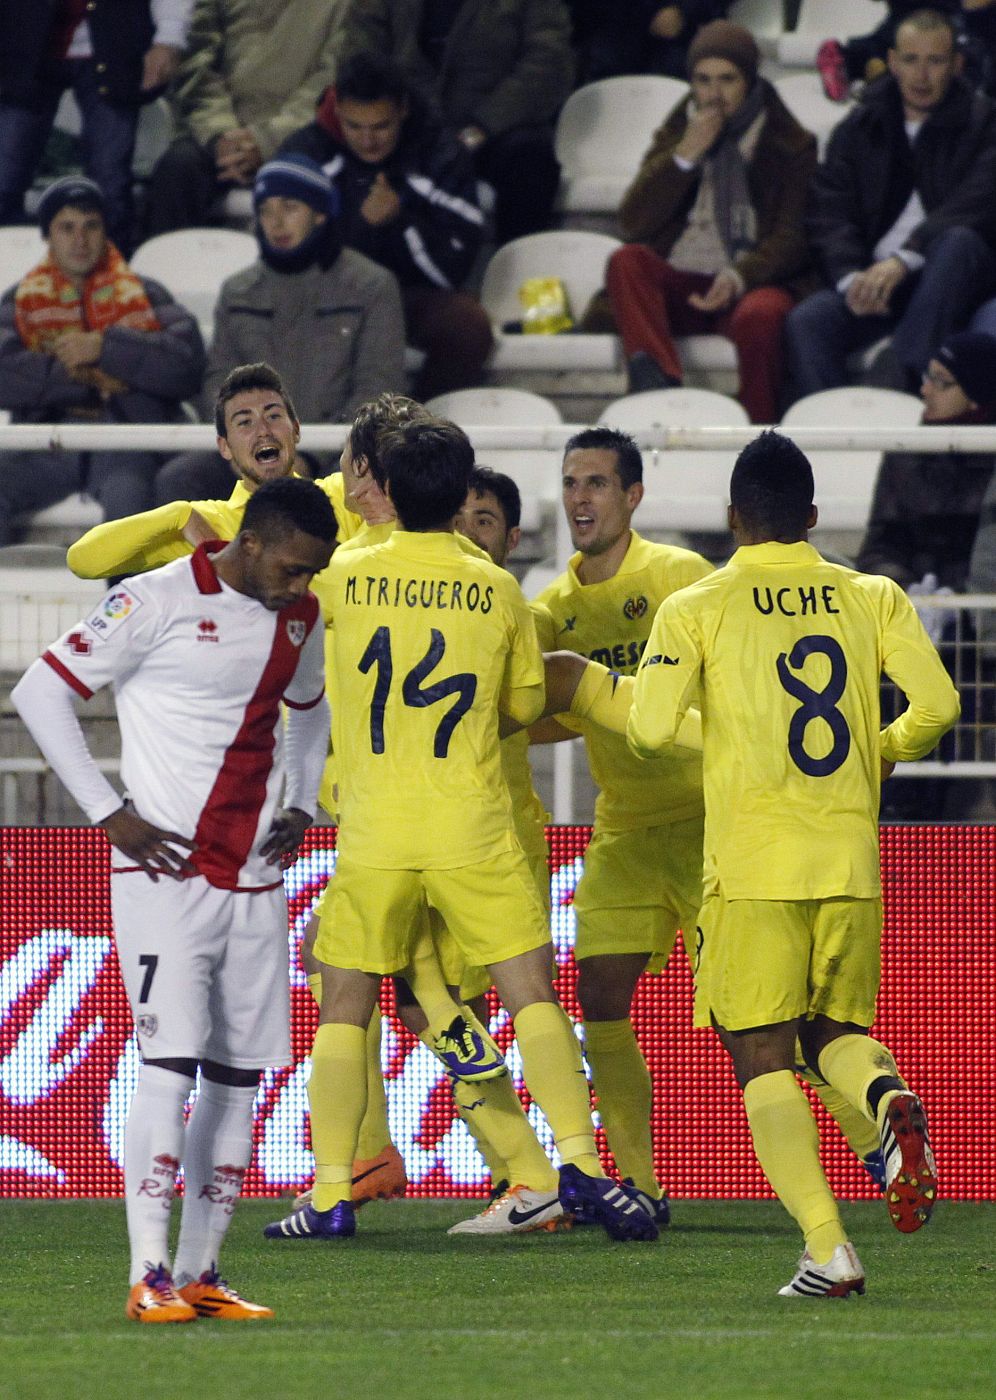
(517, 1211)
(842, 1275)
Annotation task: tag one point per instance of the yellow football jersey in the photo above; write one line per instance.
(429, 641)
(785, 652)
(610, 622)
(138, 543)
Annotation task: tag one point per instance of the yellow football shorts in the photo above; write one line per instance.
(763, 961)
(370, 918)
(475, 981)
(638, 888)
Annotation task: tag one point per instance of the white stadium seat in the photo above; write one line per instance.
(803, 95)
(155, 131)
(845, 481)
(21, 247)
(192, 263)
(578, 259)
(534, 470)
(38, 603)
(603, 133)
(684, 489)
(495, 408)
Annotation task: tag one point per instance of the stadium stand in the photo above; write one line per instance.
(536, 471)
(602, 134)
(803, 95)
(683, 490)
(192, 263)
(816, 20)
(847, 479)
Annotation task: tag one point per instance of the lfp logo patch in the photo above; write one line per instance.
(118, 605)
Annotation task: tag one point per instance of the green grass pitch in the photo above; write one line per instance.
(403, 1311)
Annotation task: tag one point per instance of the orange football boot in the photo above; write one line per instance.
(211, 1296)
(374, 1179)
(154, 1299)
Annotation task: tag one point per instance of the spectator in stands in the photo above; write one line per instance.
(325, 316)
(83, 339)
(863, 57)
(926, 507)
(642, 36)
(496, 72)
(114, 57)
(251, 76)
(714, 223)
(902, 217)
(408, 200)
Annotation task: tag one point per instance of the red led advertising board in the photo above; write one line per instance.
(68, 1061)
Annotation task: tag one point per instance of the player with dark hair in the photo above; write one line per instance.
(428, 643)
(643, 869)
(786, 653)
(201, 654)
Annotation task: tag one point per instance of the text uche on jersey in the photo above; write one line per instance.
(796, 600)
(454, 595)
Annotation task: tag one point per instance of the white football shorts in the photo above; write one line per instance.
(206, 970)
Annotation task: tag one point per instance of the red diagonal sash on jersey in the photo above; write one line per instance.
(230, 817)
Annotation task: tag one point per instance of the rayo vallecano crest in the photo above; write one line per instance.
(296, 630)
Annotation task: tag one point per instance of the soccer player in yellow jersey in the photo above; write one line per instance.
(428, 644)
(643, 869)
(785, 652)
(257, 432)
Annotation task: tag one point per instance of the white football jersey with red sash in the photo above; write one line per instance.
(199, 671)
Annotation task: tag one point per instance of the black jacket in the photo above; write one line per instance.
(435, 238)
(120, 33)
(871, 170)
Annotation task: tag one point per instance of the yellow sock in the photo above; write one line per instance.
(337, 1093)
(787, 1145)
(862, 1135)
(315, 986)
(374, 1131)
(494, 1114)
(429, 988)
(852, 1063)
(624, 1094)
(551, 1063)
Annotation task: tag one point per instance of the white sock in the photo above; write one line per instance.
(152, 1145)
(216, 1152)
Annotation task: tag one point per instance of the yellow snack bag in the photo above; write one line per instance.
(544, 306)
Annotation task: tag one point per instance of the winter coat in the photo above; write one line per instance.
(506, 63)
(254, 63)
(435, 238)
(656, 206)
(871, 170)
(161, 368)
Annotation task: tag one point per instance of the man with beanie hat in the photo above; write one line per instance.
(927, 505)
(714, 225)
(901, 218)
(112, 57)
(84, 339)
(327, 318)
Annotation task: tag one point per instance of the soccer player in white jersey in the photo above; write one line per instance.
(785, 653)
(202, 654)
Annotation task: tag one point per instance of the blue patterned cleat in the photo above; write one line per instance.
(611, 1205)
(339, 1223)
(657, 1207)
(874, 1165)
(468, 1052)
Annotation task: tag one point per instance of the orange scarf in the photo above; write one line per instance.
(47, 304)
